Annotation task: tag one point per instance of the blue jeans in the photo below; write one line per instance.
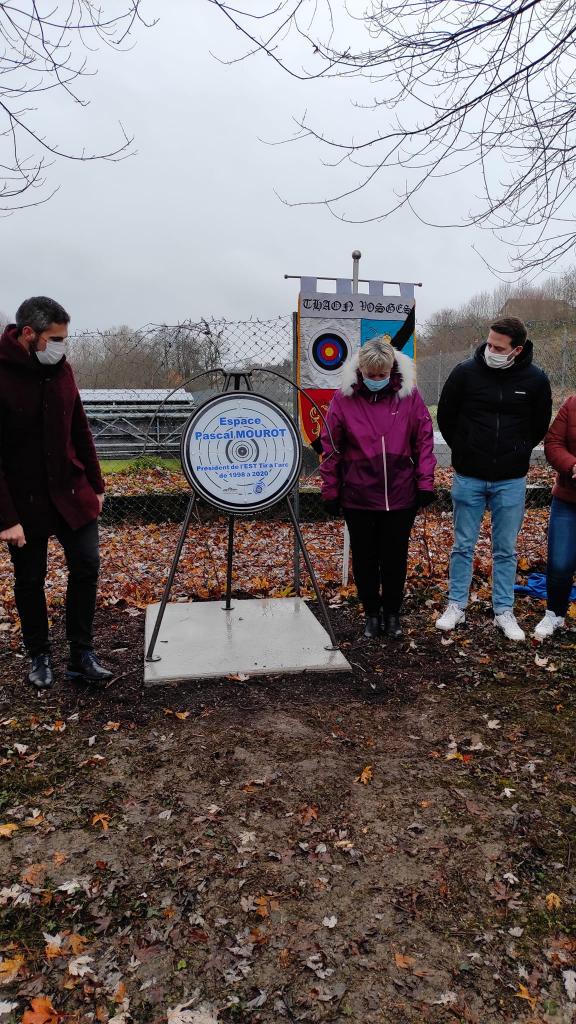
(561, 555)
(505, 500)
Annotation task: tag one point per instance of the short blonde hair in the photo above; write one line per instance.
(376, 356)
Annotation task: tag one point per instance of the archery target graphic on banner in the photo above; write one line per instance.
(326, 347)
(329, 352)
(241, 452)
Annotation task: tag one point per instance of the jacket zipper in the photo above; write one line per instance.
(385, 473)
(498, 423)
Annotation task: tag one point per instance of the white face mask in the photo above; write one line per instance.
(498, 360)
(53, 353)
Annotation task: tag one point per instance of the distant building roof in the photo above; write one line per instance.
(124, 395)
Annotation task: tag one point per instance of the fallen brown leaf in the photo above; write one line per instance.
(34, 874)
(101, 819)
(9, 969)
(33, 822)
(77, 943)
(308, 813)
(42, 1012)
(403, 961)
(523, 993)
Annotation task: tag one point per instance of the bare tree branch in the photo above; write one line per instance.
(483, 86)
(42, 49)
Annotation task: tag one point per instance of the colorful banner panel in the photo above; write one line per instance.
(331, 328)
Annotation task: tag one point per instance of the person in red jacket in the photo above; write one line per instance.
(50, 484)
(560, 449)
(378, 467)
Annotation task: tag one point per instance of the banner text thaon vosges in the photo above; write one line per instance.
(244, 421)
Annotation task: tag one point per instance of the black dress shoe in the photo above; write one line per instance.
(372, 627)
(84, 667)
(393, 626)
(41, 675)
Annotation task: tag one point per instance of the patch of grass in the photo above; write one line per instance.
(28, 927)
(541, 923)
(110, 466)
(19, 785)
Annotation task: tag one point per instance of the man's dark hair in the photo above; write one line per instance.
(39, 312)
(513, 328)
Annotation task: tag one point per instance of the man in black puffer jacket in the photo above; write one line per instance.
(493, 410)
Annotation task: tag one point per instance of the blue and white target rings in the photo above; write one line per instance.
(241, 452)
(329, 351)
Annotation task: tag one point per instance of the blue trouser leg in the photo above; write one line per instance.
(506, 500)
(469, 502)
(561, 555)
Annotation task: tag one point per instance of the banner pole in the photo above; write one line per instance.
(296, 416)
(356, 256)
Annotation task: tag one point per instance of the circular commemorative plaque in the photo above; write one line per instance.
(241, 452)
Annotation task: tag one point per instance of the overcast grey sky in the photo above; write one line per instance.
(190, 226)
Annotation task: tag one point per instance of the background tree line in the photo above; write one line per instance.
(151, 357)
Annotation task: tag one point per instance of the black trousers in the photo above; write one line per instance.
(379, 543)
(30, 563)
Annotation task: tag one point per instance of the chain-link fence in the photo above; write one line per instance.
(140, 386)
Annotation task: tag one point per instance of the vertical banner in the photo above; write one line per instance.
(333, 326)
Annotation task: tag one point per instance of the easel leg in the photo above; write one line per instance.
(345, 556)
(229, 558)
(317, 591)
(170, 581)
(296, 581)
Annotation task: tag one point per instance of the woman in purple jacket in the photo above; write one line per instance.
(378, 467)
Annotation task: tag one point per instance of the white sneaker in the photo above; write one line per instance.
(453, 615)
(507, 623)
(548, 625)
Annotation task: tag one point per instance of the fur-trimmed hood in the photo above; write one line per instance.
(402, 376)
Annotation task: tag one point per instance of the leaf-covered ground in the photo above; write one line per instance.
(144, 477)
(136, 560)
(389, 846)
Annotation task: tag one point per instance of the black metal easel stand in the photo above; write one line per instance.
(232, 383)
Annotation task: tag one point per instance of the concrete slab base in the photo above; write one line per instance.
(204, 641)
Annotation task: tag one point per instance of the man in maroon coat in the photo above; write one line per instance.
(50, 484)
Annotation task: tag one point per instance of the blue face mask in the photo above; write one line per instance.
(376, 385)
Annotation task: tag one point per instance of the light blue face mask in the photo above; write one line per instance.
(376, 385)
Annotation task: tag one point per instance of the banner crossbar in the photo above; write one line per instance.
(361, 280)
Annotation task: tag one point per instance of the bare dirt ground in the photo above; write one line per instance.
(390, 846)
